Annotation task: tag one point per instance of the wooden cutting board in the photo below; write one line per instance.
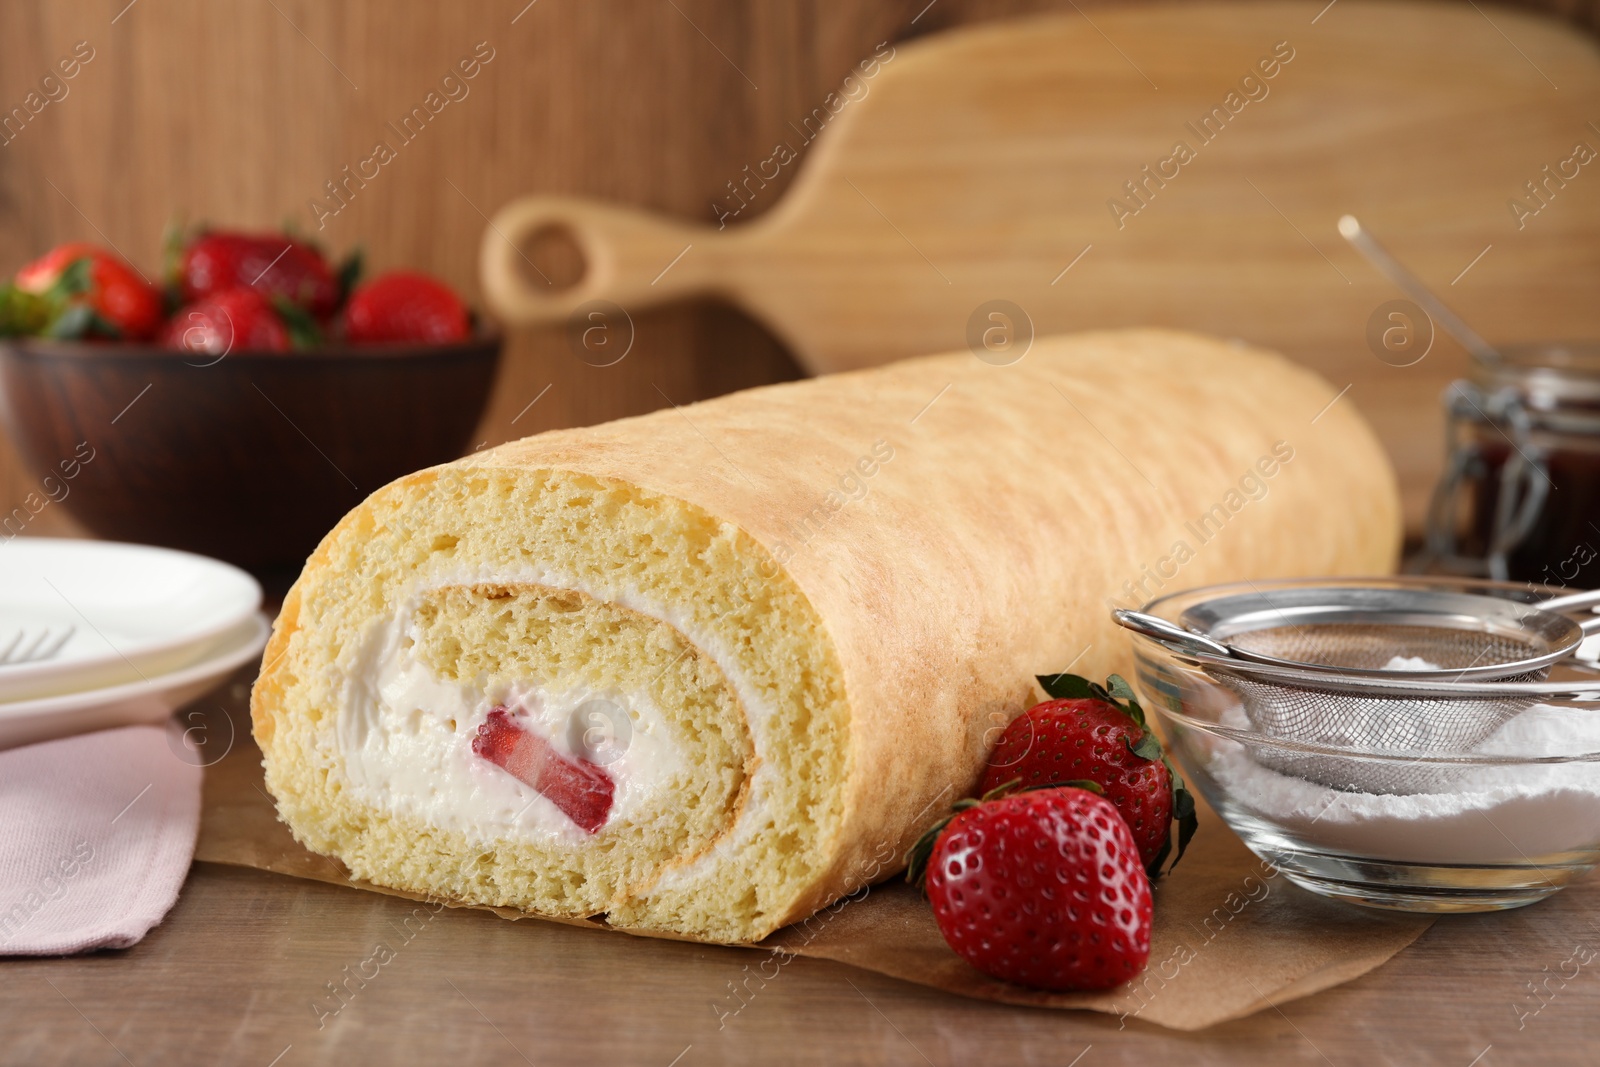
(1178, 165)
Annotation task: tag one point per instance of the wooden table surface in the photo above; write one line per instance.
(239, 973)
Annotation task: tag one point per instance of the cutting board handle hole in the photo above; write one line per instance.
(552, 259)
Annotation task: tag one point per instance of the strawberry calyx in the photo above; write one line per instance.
(1119, 694)
(75, 279)
(21, 312)
(919, 853)
(77, 321)
(175, 237)
(301, 324)
(55, 311)
(348, 273)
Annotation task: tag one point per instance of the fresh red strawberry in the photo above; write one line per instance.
(1086, 734)
(232, 320)
(582, 790)
(279, 266)
(404, 305)
(1042, 888)
(104, 297)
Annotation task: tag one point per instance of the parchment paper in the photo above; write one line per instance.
(1231, 935)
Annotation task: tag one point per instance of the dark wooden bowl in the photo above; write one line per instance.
(250, 458)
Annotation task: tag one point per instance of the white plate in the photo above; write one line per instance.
(150, 700)
(135, 611)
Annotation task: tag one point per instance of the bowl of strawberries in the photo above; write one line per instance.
(241, 405)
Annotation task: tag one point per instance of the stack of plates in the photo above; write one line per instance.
(95, 634)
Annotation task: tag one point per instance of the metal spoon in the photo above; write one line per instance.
(1351, 230)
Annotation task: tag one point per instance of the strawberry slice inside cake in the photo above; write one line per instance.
(582, 790)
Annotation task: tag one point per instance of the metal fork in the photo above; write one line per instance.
(29, 646)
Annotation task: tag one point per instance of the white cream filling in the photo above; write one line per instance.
(405, 738)
(399, 752)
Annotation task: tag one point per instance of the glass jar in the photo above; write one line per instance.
(1519, 498)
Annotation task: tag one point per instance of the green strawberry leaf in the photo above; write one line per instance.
(174, 239)
(1152, 870)
(1148, 747)
(922, 851)
(78, 321)
(73, 323)
(1068, 687)
(303, 329)
(1116, 692)
(1183, 809)
(22, 313)
(1073, 783)
(348, 274)
(75, 280)
(1076, 783)
(1124, 699)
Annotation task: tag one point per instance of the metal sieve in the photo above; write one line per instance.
(1311, 665)
(1360, 630)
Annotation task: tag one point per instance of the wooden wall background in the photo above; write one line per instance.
(238, 112)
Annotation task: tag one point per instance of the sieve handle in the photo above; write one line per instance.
(1169, 633)
(1589, 599)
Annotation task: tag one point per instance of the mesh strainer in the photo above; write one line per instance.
(1312, 664)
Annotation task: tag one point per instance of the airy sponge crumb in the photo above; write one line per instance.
(563, 580)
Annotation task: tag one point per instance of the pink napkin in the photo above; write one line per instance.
(96, 835)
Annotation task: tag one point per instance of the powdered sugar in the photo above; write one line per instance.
(1511, 813)
(1409, 663)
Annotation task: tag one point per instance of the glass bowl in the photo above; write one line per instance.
(1500, 825)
